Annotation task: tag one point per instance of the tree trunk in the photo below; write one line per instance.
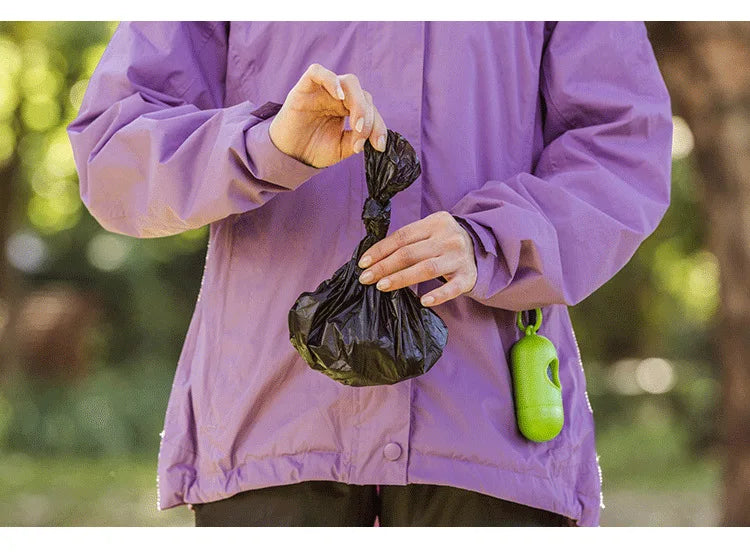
(706, 66)
(9, 285)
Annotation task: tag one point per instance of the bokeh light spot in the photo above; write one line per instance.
(34, 53)
(58, 159)
(8, 95)
(655, 375)
(682, 138)
(26, 252)
(622, 377)
(40, 112)
(56, 213)
(39, 79)
(10, 56)
(108, 251)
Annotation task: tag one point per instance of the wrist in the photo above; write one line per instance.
(270, 163)
(280, 144)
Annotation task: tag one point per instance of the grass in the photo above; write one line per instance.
(650, 479)
(65, 491)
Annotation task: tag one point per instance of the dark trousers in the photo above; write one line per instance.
(331, 503)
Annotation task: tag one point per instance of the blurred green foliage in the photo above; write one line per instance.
(147, 288)
(661, 304)
(663, 301)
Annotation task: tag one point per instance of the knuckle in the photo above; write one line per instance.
(439, 218)
(432, 268)
(455, 242)
(314, 67)
(374, 253)
(445, 217)
(350, 78)
(397, 280)
(401, 237)
(377, 271)
(405, 256)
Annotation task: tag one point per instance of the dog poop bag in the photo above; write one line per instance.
(355, 333)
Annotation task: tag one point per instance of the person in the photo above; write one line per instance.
(545, 153)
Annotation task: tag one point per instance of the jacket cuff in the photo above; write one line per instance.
(490, 262)
(270, 163)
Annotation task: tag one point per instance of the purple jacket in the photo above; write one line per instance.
(551, 141)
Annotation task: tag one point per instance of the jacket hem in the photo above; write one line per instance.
(530, 489)
(182, 484)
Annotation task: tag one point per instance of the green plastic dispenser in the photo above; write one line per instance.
(536, 383)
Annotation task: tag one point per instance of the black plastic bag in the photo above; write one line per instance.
(355, 333)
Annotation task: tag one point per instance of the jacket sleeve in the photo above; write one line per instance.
(157, 152)
(601, 184)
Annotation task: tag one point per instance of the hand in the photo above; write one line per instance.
(434, 246)
(310, 124)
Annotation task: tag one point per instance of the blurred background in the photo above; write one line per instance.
(91, 323)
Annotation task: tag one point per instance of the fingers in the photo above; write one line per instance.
(364, 118)
(316, 74)
(458, 285)
(378, 138)
(361, 110)
(412, 232)
(379, 134)
(401, 259)
(420, 272)
(429, 248)
(349, 99)
(358, 106)
(366, 125)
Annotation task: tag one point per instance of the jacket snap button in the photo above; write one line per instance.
(392, 451)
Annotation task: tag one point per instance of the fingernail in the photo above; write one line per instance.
(339, 91)
(428, 300)
(382, 284)
(366, 277)
(360, 124)
(365, 261)
(381, 143)
(358, 145)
